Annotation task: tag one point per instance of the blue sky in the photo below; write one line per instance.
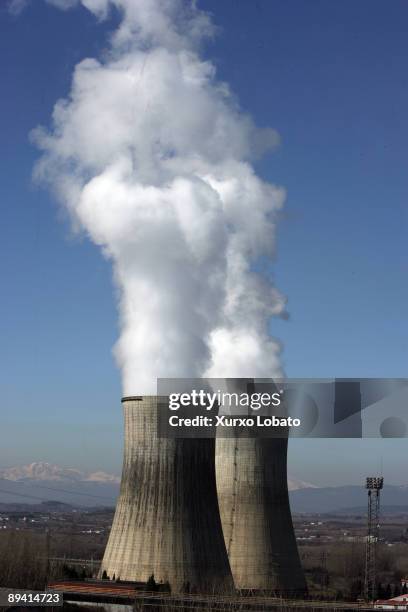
(331, 78)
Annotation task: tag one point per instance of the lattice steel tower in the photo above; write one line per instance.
(373, 486)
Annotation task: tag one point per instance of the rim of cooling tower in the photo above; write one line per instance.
(140, 398)
(135, 398)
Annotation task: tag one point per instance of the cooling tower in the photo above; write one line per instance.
(167, 521)
(255, 514)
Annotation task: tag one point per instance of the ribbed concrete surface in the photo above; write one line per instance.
(255, 514)
(167, 521)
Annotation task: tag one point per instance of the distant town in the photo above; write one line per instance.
(66, 542)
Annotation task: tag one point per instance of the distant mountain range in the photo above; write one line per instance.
(46, 471)
(43, 471)
(41, 482)
(295, 485)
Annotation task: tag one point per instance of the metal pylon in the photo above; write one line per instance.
(373, 486)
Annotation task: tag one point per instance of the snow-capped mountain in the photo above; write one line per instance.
(42, 471)
(44, 482)
(294, 485)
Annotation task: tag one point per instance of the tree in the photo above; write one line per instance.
(151, 584)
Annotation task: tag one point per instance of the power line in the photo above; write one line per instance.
(73, 492)
(57, 490)
(24, 495)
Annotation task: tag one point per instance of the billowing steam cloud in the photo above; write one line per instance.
(151, 156)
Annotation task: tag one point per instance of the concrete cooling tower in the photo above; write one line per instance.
(255, 514)
(167, 521)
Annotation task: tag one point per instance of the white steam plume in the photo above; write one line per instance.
(151, 156)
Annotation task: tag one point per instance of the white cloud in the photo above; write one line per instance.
(152, 157)
(63, 4)
(15, 7)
